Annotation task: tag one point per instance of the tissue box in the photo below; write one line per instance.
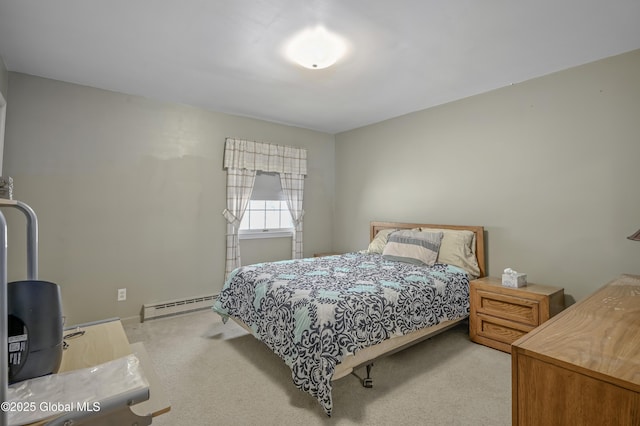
(514, 280)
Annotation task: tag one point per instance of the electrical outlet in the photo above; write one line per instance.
(122, 294)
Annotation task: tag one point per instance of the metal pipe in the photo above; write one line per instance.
(32, 240)
(4, 334)
(32, 274)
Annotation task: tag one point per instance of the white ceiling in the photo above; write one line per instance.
(225, 55)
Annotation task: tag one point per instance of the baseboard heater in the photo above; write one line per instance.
(176, 307)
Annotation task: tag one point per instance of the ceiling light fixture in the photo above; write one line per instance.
(316, 48)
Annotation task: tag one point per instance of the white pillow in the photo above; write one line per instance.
(380, 240)
(458, 248)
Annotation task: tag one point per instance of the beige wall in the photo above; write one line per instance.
(4, 84)
(4, 78)
(266, 250)
(548, 166)
(129, 193)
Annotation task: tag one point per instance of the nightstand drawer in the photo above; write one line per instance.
(500, 329)
(513, 308)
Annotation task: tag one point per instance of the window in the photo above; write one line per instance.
(267, 214)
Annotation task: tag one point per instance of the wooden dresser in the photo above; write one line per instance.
(583, 366)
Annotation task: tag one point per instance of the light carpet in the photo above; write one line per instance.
(217, 374)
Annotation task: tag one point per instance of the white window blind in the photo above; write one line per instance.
(267, 187)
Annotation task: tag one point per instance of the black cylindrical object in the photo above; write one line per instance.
(35, 329)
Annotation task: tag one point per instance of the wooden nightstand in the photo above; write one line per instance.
(500, 315)
(330, 253)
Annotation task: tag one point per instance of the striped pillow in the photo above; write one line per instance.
(413, 247)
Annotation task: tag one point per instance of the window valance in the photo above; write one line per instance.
(266, 157)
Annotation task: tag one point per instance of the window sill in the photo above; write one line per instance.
(251, 235)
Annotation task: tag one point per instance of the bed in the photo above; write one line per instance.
(326, 316)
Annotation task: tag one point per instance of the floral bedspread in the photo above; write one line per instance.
(313, 312)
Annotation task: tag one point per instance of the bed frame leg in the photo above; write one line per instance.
(367, 382)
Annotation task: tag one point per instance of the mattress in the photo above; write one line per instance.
(314, 312)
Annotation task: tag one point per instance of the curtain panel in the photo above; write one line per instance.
(239, 186)
(293, 188)
(242, 159)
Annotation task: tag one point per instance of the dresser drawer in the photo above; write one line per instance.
(525, 311)
(499, 329)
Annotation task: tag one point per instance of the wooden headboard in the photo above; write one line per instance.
(375, 227)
